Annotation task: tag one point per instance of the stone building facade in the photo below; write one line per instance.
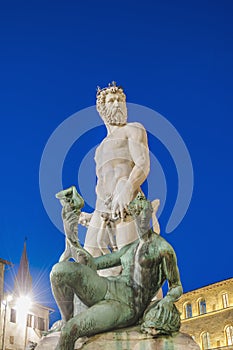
(207, 315)
(22, 324)
(22, 320)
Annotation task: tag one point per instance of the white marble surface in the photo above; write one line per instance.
(124, 339)
(122, 165)
(49, 342)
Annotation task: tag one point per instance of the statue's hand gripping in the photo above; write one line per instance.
(123, 196)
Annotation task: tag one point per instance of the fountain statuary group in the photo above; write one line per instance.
(119, 272)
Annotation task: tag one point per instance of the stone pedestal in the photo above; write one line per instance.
(132, 339)
(125, 339)
(48, 342)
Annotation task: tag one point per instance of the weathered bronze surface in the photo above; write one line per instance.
(124, 300)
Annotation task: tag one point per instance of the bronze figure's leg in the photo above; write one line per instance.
(104, 316)
(69, 278)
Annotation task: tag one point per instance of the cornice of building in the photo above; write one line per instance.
(43, 307)
(5, 262)
(209, 286)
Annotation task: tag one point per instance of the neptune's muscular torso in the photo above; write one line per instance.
(114, 163)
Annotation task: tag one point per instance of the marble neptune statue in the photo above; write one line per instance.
(119, 301)
(122, 165)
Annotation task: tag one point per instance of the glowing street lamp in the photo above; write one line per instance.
(23, 304)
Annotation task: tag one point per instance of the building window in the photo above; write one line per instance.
(13, 316)
(205, 339)
(229, 335)
(29, 320)
(12, 339)
(35, 322)
(225, 301)
(202, 306)
(188, 310)
(41, 324)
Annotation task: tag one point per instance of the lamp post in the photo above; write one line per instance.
(5, 303)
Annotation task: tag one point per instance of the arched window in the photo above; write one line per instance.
(225, 301)
(188, 310)
(205, 341)
(202, 306)
(229, 335)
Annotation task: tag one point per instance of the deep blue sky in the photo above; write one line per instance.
(173, 57)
